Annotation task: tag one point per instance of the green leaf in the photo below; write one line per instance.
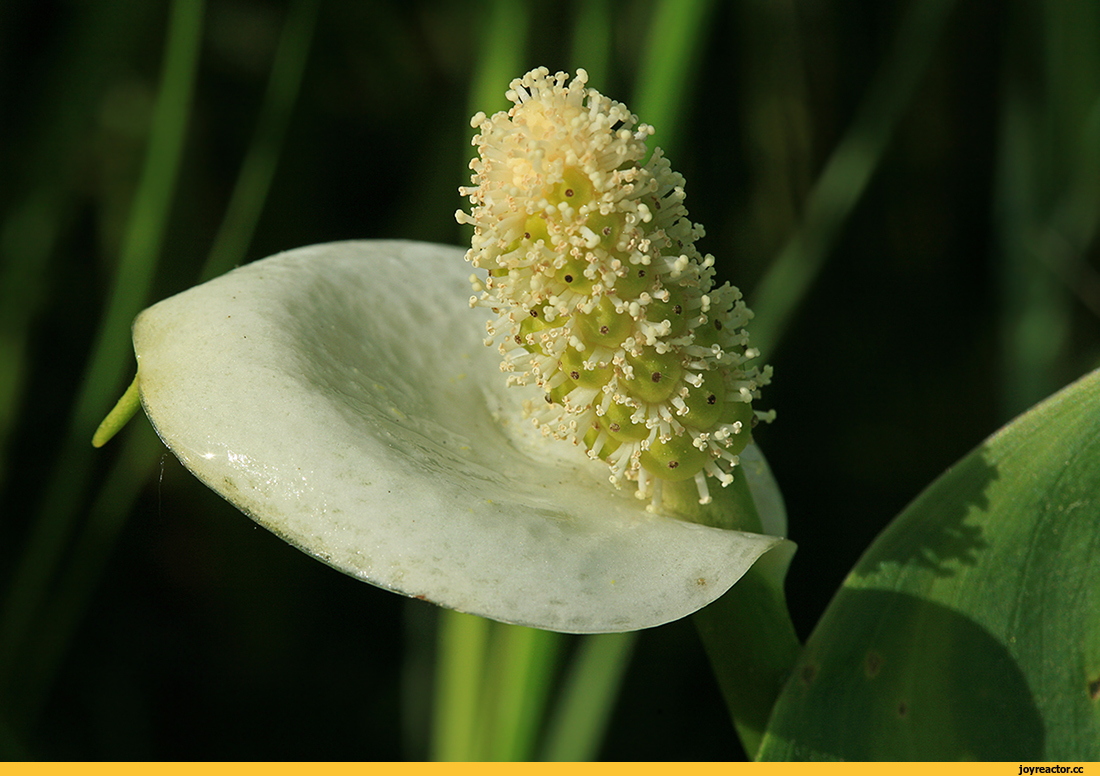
(971, 627)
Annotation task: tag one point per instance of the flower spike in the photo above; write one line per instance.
(599, 294)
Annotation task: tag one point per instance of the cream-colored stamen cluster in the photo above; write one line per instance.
(600, 295)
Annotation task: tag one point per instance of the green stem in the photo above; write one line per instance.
(752, 645)
(747, 633)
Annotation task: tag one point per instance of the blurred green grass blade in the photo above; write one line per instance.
(26, 243)
(592, 42)
(672, 53)
(971, 627)
(78, 580)
(120, 490)
(111, 352)
(1046, 191)
(583, 711)
(1034, 323)
(246, 203)
(503, 45)
(516, 704)
(460, 670)
(847, 173)
(44, 174)
(1062, 243)
(144, 236)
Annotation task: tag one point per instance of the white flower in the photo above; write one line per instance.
(341, 396)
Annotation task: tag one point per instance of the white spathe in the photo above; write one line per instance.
(341, 396)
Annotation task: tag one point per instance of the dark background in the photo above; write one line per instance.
(144, 618)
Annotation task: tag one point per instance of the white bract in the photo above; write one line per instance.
(341, 396)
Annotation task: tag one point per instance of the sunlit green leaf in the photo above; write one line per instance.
(971, 628)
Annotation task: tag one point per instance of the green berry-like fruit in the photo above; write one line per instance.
(673, 309)
(572, 276)
(676, 459)
(656, 375)
(607, 229)
(573, 362)
(575, 188)
(621, 427)
(705, 403)
(604, 327)
(633, 280)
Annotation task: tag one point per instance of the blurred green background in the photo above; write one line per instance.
(907, 192)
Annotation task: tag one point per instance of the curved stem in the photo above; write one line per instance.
(747, 633)
(752, 644)
(118, 417)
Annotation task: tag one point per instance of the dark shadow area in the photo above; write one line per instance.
(892, 677)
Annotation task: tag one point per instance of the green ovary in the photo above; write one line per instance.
(572, 362)
(557, 395)
(607, 229)
(532, 325)
(575, 188)
(674, 311)
(709, 333)
(619, 425)
(656, 375)
(572, 275)
(634, 281)
(603, 327)
(610, 446)
(674, 460)
(706, 403)
(534, 229)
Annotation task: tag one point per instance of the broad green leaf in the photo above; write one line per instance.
(971, 627)
(342, 396)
